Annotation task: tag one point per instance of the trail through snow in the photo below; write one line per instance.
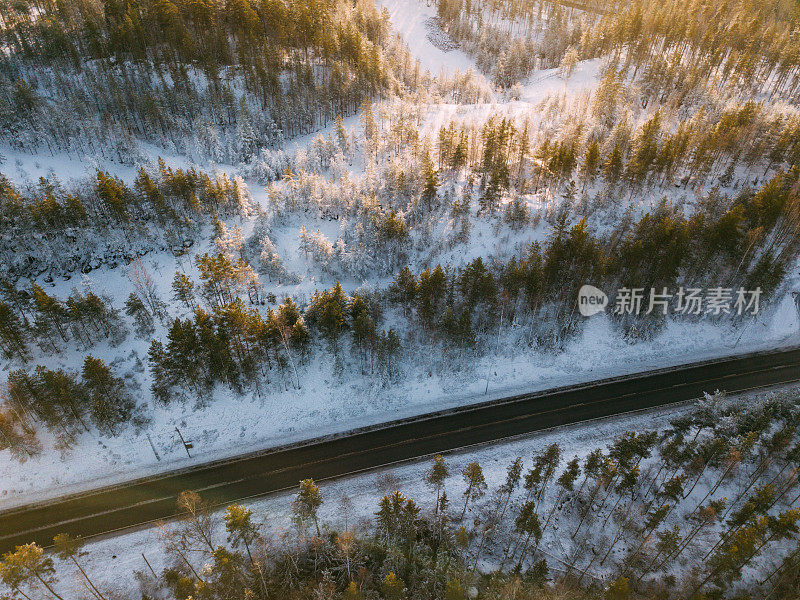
(414, 21)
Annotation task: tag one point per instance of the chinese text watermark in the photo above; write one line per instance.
(713, 301)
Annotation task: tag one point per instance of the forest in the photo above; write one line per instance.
(644, 183)
(219, 211)
(452, 312)
(674, 46)
(218, 80)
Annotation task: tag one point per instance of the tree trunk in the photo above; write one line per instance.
(464, 511)
(47, 585)
(89, 581)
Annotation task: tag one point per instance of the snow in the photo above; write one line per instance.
(22, 167)
(25, 168)
(111, 561)
(415, 22)
(548, 82)
(327, 402)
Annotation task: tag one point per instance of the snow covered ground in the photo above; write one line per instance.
(415, 22)
(329, 403)
(325, 405)
(351, 502)
(112, 561)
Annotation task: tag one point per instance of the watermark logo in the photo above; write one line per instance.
(714, 301)
(591, 300)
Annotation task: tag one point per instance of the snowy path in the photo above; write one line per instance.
(412, 20)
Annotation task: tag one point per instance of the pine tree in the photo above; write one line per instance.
(17, 436)
(645, 149)
(241, 529)
(454, 591)
(476, 484)
(618, 590)
(50, 315)
(293, 332)
(111, 404)
(591, 162)
(566, 485)
(341, 135)
(27, 565)
(370, 128)
(490, 200)
(300, 336)
(13, 334)
(183, 289)
(143, 320)
(612, 167)
(113, 194)
(20, 300)
(459, 157)
(393, 587)
(364, 330)
(517, 214)
(568, 63)
(307, 503)
(352, 592)
(388, 350)
(403, 289)
(431, 182)
(329, 309)
(61, 391)
(436, 476)
(527, 524)
(431, 291)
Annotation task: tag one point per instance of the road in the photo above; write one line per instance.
(139, 502)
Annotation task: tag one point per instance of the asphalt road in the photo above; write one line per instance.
(111, 509)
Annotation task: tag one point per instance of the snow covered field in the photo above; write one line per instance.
(415, 22)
